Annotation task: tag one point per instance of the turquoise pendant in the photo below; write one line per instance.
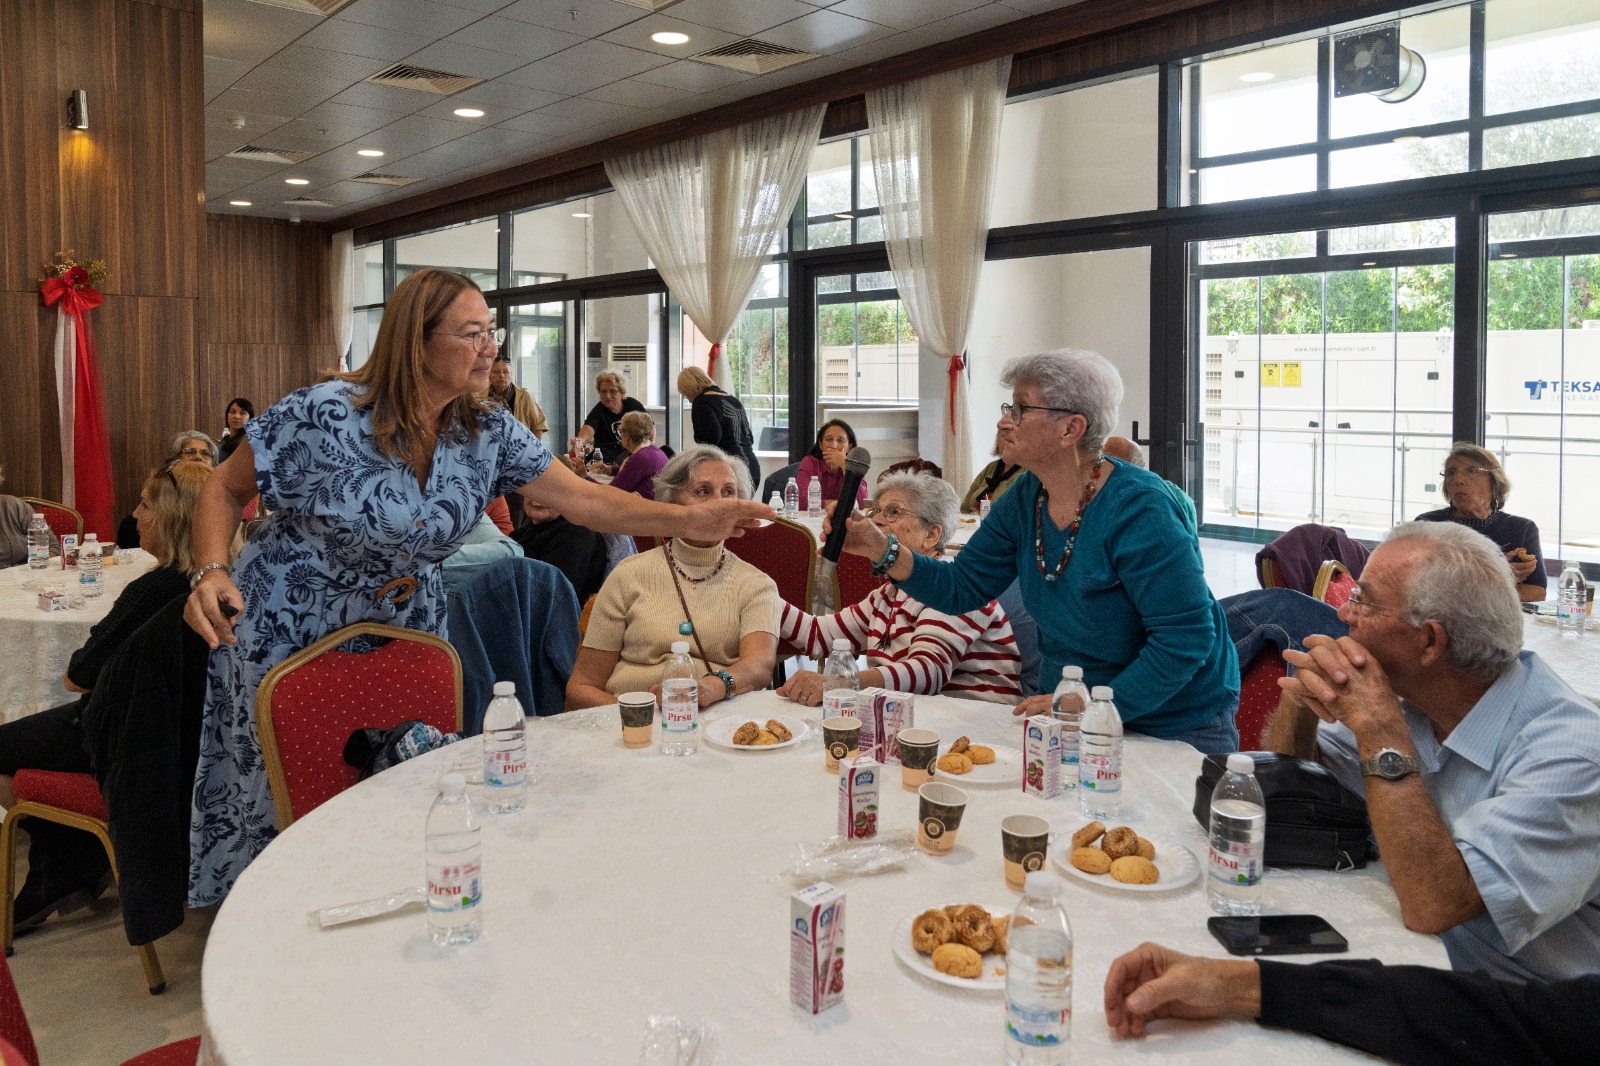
(685, 628)
(1050, 578)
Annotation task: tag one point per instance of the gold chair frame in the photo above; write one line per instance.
(38, 501)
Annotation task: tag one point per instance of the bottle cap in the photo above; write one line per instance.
(1100, 692)
(1241, 764)
(505, 688)
(452, 782)
(87, 537)
(1041, 884)
(841, 644)
(680, 647)
(1072, 673)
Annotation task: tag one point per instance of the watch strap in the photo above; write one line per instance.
(1409, 764)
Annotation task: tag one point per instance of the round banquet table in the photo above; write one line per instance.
(1575, 659)
(38, 644)
(636, 884)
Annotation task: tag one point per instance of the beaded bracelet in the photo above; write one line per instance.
(891, 555)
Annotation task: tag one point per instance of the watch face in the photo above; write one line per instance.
(1391, 764)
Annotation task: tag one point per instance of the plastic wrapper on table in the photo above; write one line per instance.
(836, 857)
(673, 1041)
(327, 917)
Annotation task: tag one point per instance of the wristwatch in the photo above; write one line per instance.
(204, 570)
(1390, 765)
(727, 679)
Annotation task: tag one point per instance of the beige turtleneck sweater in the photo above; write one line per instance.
(637, 612)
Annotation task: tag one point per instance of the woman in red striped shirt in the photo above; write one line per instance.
(911, 647)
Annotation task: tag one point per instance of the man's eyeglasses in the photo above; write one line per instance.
(1015, 411)
(1464, 471)
(1359, 601)
(481, 338)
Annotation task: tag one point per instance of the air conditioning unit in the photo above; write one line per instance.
(629, 360)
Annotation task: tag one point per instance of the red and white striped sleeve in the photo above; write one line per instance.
(815, 634)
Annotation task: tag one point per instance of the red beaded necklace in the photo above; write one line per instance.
(1090, 487)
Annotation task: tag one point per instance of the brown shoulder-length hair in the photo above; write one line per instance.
(391, 380)
(173, 492)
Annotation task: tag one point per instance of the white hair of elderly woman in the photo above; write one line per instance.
(680, 469)
(931, 499)
(1074, 379)
(1467, 587)
(194, 434)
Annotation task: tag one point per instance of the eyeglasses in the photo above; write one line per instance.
(1464, 471)
(480, 338)
(1015, 411)
(893, 512)
(1360, 602)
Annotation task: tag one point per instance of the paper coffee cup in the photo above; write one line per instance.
(841, 739)
(638, 711)
(919, 750)
(939, 810)
(1024, 840)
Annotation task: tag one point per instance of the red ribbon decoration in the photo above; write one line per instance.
(711, 363)
(90, 442)
(957, 365)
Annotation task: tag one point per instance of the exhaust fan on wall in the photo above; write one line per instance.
(1373, 62)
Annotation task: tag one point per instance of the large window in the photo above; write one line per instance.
(841, 195)
(582, 238)
(472, 248)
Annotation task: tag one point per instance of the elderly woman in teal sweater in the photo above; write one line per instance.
(1105, 562)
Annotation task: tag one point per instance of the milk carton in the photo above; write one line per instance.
(889, 713)
(816, 947)
(69, 551)
(53, 600)
(858, 797)
(1041, 756)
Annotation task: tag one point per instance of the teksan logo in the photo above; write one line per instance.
(1583, 389)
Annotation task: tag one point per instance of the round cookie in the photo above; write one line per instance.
(1091, 860)
(1132, 870)
(764, 739)
(980, 755)
(1001, 927)
(779, 730)
(957, 960)
(955, 763)
(746, 734)
(1120, 842)
(1147, 850)
(1088, 834)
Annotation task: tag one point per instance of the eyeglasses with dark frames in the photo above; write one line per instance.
(1015, 411)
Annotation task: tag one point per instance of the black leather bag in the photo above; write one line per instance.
(1312, 820)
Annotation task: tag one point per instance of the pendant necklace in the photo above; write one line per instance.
(1089, 489)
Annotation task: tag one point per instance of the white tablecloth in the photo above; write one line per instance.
(37, 644)
(636, 884)
(1576, 659)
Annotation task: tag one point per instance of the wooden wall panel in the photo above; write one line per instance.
(30, 211)
(28, 401)
(147, 369)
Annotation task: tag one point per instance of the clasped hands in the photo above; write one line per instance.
(1340, 681)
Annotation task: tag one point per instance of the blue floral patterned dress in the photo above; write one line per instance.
(345, 520)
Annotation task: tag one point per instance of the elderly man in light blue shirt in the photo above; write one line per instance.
(1480, 766)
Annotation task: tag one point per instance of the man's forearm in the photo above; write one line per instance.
(1292, 730)
(1430, 878)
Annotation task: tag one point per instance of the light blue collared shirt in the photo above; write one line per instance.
(1517, 783)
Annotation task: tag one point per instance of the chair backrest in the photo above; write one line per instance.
(1258, 697)
(643, 543)
(16, 1036)
(776, 481)
(309, 704)
(1267, 572)
(852, 581)
(787, 552)
(58, 516)
(1334, 584)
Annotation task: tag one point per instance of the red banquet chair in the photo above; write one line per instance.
(67, 799)
(852, 581)
(309, 704)
(787, 552)
(1334, 584)
(643, 543)
(58, 516)
(1258, 697)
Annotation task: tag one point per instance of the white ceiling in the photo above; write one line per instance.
(561, 74)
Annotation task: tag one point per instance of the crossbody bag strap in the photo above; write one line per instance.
(694, 630)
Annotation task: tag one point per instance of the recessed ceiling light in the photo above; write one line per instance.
(1257, 76)
(240, 203)
(468, 112)
(670, 37)
(297, 181)
(581, 214)
(372, 152)
(1407, 138)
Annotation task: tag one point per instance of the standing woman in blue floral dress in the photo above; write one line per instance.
(371, 478)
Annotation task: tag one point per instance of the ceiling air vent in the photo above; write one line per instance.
(649, 5)
(312, 201)
(424, 79)
(310, 7)
(753, 57)
(384, 179)
(257, 154)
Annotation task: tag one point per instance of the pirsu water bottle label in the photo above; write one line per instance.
(1037, 1028)
(1099, 773)
(678, 717)
(455, 888)
(1235, 866)
(503, 769)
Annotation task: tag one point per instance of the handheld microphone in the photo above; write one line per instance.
(856, 465)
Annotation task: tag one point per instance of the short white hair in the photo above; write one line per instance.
(1464, 583)
(932, 500)
(1078, 380)
(681, 467)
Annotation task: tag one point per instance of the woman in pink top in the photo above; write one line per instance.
(825, 462)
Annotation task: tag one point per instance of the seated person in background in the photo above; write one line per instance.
(66, 866)
(1476, 488)
(240, 410)
(992, 480)
(577, 552)
(514, 398)
(732, 607)
(1480, 766)
(499, 513)
(1406, 1014)
(15, 518)
(911, 647)
(190, 446)
(638, 471)
(1129, 452)
(602, 425)
(484, 544)
(825, 461)
(918, 465)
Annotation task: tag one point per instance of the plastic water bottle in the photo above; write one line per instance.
(840, 681)
(91, 567)
(1238, 840)
(1070, 716)
(983, 507)
(1039, 977)
(1572, 603)
(680, 703)
(791, 499)
(776, 503)
(455, 865)
(814, 498)
(39, 538)
(1100, 756)
(505, 751)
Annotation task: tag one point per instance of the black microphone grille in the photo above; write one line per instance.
(858, 462)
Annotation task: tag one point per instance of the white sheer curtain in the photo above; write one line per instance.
(342, 292)
(934, 145)
(708, 210)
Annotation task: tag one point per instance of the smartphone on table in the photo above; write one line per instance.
(1277, 934)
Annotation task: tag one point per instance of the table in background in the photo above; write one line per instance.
(636, 884)
(38, 644)
(962, 533)
(1575, 659)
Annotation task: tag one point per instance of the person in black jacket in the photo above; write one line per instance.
(66, 867)
(1414, 1015)
(577, 552)
(719, 419)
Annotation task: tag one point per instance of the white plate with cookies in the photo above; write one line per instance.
(1004, 766)
(725, 733)
(1121, 859)
(988, 969)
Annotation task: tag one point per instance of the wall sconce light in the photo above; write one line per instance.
(78, 110)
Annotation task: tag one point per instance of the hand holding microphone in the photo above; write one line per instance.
(856, 465)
